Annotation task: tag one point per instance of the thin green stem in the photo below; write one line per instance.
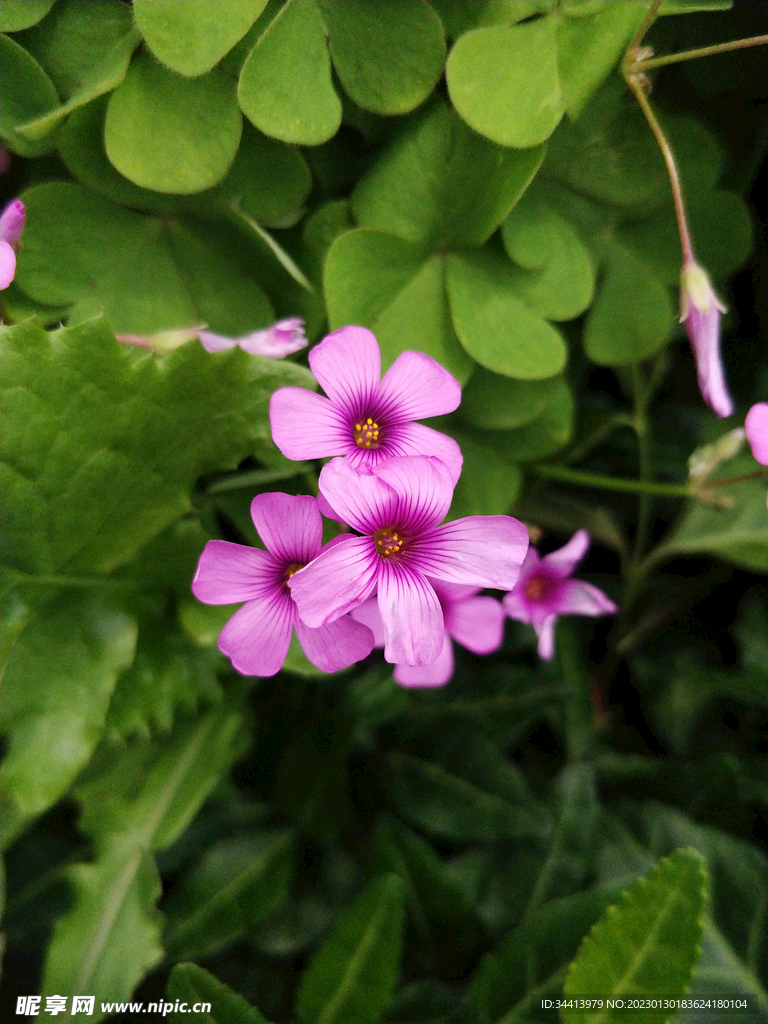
(703, 51)
(649, 19)
(255, 478)
(240, 217)
(605, 429)
(612, 483)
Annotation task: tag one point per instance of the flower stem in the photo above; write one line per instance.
(611, 483)
(649, 19)
(703, 51)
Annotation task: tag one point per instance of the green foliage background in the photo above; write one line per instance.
(474, 181)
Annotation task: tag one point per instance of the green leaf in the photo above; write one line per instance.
(487, 486)
(237, 883)
(503, 80)
(169, 133)
(547, 433)
(495, 325)
(354, 973)
(396, 289)
(500, 403)
(16, 15)
(441, 185)
(632, 315)
(85, 48)
(60, 677)
(192, 38)
(285, 86)
(389, 56)
(102, 446)
(191, 984)
(28, 93)
(647, 944)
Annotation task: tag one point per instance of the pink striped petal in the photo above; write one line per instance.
(566, 558)
(415, 387)
(307, 426)
(358, 498)
(416, 439)
(341, 577)
(412, 616)
(336, 645)
(424, 489)
(347, 366)
(289, 525)
(476, 623)
(436, 674)
(484, 551)
(256, 638)
(228, 573)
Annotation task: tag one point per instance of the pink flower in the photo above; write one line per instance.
(700, 310)
(477, 623)
(281, 339)
(257, 636)
(544, 591)
(397, 507)
(756, 428)
(12, 221)
(365, 418)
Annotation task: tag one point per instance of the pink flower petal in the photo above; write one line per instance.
(436, 674)
(289, 525)
(256, 638)
(215, 342)
(368, 613)
(307, 426)
(12, 221)
(341, 577)
(566, 558)
(516, 606)
(415, 386)
(423, 487)
(361, 500)
(484, 551)
(412, 616)
(756, 427)
(704, 334)
(546, 633)
(416, 439)
(7, 264)
(347, 365)
(228, 573)
(477, 623)
(336, 645)
(275, 342)
(576, 597)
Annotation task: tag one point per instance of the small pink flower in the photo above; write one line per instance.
(544, 591)
(476, 622)
(257, 636)
(281, 339)
(756, 428)
(366, 417)
(700, 310)
(12, 221)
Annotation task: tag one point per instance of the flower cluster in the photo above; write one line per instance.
(403, 580)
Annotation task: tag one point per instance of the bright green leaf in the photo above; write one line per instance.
(440, 184)
(487, 486)
(169, 133)
(191, 984)
(500, 403)
(647, 944)
(28, 93)
(503, 80)
(539, 438)
(192, 38)
(285, 86)
(494, 325)
(354, 973)
(397, 290)
(388, 55)
(16, 15)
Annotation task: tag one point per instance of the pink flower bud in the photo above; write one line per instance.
(12, 221)
(700, 310)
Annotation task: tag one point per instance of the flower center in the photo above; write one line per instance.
(292, 568)
(366, 434)
(388, 542)
(538, 588)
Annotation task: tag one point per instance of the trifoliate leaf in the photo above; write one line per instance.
(28, 93)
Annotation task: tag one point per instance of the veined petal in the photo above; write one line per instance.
(368, 613)
(415, 386)
(289, 525)
(358, 498)
(347, 366)
(546, 634)
(307, 426)
(7, 263)
(576, 597)
(228, 573)
(341, 577)
(335, 645)
(416, 439)
(477, 623)
(566, 558)
(484, 551)
(436, 674)
(256, 638)
(412, 616)
(423, 487)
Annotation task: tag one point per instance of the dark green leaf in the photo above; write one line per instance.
(28, 93)
(500, 403)
(191, 984)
